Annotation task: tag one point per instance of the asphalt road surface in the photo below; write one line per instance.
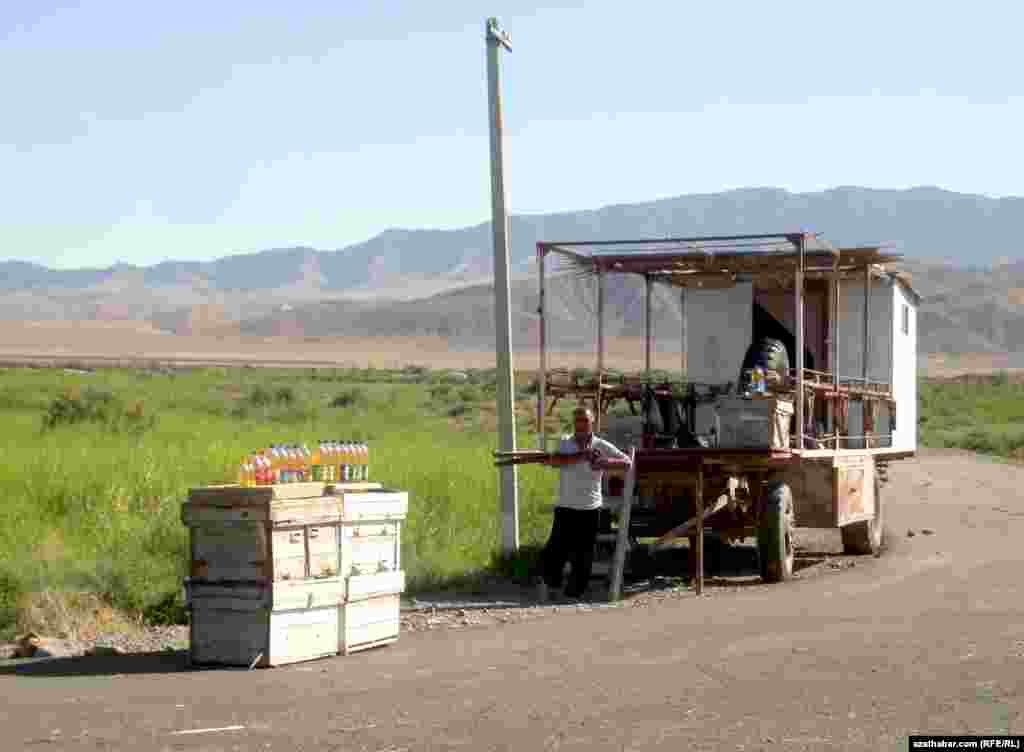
(929, 638)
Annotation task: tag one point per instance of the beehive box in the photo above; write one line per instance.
(368, 623)
(261, 537)
(258, 625)
(241, 624)
(275, 578)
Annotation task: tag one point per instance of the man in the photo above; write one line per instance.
(582, 458)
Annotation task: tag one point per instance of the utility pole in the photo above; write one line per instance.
(496, 38)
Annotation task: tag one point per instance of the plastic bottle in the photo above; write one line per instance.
(254, 470)
(318, 462)
(258, 474)
(307, 463)
(266, 472)
(328, 461)
(274, 456)
(364, 465)
(285, 474)
(346, 455)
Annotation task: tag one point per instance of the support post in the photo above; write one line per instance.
(648, 282)
(839, 410)
(622, 538)
(682, 315)
(600, 350)
(495, 39)
(700, 529)
(648, 392)
(543, 376)
(867, 350)
(799, 315)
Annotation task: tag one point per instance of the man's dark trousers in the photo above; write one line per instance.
(573, 534)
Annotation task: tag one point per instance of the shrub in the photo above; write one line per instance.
(168, 610)
(459, 408)
(99, 407)
(8, 604)
(261, 397)
(353, 397)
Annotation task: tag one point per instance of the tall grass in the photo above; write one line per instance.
(92, 504)
(980, 413)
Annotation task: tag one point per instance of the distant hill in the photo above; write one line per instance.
(964, 251)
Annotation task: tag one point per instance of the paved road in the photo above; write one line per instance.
(928, 638)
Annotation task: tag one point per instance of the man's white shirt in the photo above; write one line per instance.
(579, 485)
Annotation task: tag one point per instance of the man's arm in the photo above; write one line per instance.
(612, 458)
(561, 460)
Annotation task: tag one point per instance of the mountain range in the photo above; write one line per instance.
(962, 250)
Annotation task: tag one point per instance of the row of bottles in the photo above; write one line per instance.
(329, 462)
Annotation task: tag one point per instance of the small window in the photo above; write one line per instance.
(905, 323)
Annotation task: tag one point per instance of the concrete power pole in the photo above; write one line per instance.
(496, 39)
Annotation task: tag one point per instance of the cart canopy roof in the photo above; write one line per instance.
(722, 261)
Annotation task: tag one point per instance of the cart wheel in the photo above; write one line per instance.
(865, 537)
(775, 534)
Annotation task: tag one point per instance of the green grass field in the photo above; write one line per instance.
(980, 413)
(96, 464)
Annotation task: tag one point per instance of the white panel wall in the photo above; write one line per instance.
(904, 368)
(892, 355)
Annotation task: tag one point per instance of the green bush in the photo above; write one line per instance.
(261, 397)
(97, 406)
(168, 610)
(8, 604)
(353, 397)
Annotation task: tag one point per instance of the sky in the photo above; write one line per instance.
(140, 132)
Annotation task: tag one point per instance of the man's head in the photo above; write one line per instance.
(583, 421)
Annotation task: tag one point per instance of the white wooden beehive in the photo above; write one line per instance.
(276, 580)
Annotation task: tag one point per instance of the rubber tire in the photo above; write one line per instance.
(863, 538)
(775, 534)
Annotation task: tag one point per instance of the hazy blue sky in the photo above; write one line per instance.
(139, 131)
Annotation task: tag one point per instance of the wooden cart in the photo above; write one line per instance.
(812, 450)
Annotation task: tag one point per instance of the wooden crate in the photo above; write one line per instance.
(366, 586)
(268, 540)
(368, 623)
(383, 504)
(278, 578)
(370, 547)
(755, 423)
(247, 624)
(231, 495)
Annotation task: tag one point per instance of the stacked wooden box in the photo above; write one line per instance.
(288, 573)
